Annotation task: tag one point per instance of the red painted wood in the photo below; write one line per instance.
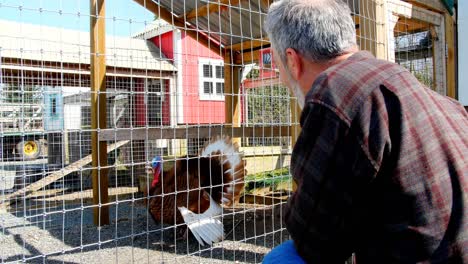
(195, 111)
(140, 107)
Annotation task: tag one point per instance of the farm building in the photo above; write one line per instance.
(200, 82)
(52, 65)
(84, 114)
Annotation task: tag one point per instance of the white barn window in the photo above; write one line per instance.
(211, 79)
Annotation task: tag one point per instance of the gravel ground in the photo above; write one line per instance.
(67, 235)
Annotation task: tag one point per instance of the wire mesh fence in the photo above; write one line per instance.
(97, 160)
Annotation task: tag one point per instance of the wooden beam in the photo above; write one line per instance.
(451, 60)
(251, 44)
(144, 133)
(254, 83)
(98, 111)
(247, 57)
(433, 5)
(210, 8)
(408, 10)
(55, 176)
(406, 26)
(164, 14)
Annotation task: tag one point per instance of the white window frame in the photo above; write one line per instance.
(201, 80)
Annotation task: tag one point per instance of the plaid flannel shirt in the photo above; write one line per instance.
(381, 169)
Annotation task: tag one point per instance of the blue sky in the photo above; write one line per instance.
(74, 14)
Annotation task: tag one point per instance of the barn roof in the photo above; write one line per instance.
(51, 44)
(153, 29)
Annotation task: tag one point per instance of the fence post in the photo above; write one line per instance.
(98, 112)
(231, 91)
(451, 68)
(372, 22)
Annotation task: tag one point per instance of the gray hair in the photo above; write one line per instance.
(319, 30)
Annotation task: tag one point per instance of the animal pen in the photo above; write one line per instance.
(83, 114)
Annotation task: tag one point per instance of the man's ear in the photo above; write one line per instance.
(294, 63)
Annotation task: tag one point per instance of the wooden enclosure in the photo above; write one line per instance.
(112, 103)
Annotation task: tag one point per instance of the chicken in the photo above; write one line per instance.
(193, 191)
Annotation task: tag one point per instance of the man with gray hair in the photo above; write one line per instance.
(381, 162)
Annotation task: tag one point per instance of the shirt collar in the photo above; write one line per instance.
(360, 55)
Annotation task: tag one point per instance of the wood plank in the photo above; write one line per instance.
(408, 26)
(191, 132)
(247, 57)
(408, 10)
(210, 8)
(372, 34)
(98, 110)
(250, 44)
(86, 195)
(260, 199)
(439, 59)
(75, 166)
(451, 60)
(295, 128)
(433, 5)
(231, 94)
(254, 83)
(164, 14)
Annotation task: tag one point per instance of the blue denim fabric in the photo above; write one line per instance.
(284, 253)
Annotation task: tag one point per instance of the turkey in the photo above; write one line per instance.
(194, 190)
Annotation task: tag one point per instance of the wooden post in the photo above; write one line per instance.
(392, 21)
(439, 59)
(98, 111)
(295, 128)
(450, 40)
(372, 24)
(231, 90)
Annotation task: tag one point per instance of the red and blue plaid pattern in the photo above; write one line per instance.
(381, 166)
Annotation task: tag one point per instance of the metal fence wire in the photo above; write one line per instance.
(117, 138)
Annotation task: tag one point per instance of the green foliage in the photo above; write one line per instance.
(425, 76)
(268, 105)
(267, 179)
(253, 74)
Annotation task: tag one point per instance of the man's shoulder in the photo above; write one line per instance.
(360, 72)
(345, 86)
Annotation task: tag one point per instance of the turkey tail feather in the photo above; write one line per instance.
(226, 154)
(205, 227)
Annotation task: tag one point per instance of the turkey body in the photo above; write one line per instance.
(218, 172)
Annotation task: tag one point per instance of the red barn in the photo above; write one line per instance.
(200, 74)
